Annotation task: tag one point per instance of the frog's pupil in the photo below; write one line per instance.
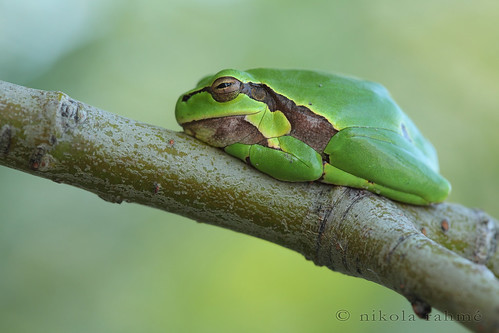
(224, 85)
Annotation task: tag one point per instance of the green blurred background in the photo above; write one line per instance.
(70, 262)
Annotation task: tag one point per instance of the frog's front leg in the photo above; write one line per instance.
(285, 158)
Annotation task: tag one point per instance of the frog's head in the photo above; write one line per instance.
(215, 111)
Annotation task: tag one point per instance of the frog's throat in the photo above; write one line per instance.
(224, 131)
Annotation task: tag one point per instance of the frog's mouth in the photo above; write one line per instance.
(224, 131)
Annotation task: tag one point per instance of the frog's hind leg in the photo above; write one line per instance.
(383, 162)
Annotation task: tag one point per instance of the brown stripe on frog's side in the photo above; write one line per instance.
(306, 126)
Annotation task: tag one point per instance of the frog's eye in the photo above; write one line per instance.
(225, 89)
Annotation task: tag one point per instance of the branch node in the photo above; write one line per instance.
(444, 225)
(156, 187)
(40, 160)
(486, 239)
(421, 309)
(5, 140)
(71, 111)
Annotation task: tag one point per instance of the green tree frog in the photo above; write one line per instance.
(299, 125)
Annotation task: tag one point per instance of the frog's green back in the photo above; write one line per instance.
(345, 102)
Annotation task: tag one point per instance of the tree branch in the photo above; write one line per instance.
(442, 255)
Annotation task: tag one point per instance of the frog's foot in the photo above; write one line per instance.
(333, 175)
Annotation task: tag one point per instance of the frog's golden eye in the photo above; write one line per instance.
(225, 89)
